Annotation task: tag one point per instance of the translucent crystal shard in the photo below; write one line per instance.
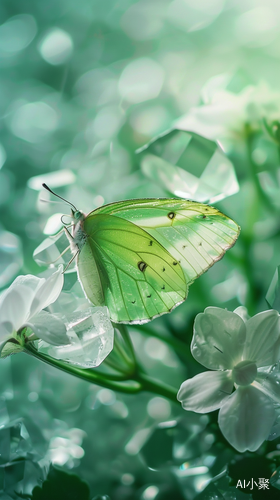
(91, 338)
(169, 160)
(51, 250)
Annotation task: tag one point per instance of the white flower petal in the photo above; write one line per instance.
(14, 307)
(269, 384)
(242, 312)
(246, 417)
(218, 340)
(263, 338)
(48, 292)
(205, 391)
(49, 328)
(28, 280)
(6, 330)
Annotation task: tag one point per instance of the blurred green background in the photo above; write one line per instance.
(83, 85)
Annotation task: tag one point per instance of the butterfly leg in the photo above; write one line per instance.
(70, 261)
(73, 246)
(71, 240)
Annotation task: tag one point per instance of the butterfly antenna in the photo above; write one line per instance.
(57, 195)
(51, 201)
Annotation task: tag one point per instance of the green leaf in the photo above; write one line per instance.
(158, 449)
(273, 294)
(61, 486)
(173, 443)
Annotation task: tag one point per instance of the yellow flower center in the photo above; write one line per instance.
(244, 373)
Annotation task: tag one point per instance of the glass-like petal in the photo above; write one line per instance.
(269, 383)
(48, 292)
(15, 305)
(218, 340)
(263, 338)
(49, 328)
(205, 392)
(246, 417)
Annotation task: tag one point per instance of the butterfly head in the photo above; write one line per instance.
(77, 215)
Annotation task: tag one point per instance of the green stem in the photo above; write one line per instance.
(126, 337)
(150, 385)
(252, 215)
(88, 374)
(253, 170)
(139, 382)
(252, 292)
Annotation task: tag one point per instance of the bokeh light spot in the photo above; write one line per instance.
(54, 179)
(32, 122)
(155, 348)
(17, 33)
(141, 80)
(256, 27)
(159, 408)
(33, 396)
(150, 493)
(143, 20)
(127, 479)
(150, 121)
(106, 397)
(56, 47)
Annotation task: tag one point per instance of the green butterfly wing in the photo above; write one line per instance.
(195, 234)
(122, 266)
(141, 255)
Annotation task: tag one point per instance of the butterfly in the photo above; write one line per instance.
(138, 257)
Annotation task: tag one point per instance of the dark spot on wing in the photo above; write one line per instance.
(142, 266)
(204, 217)
(200, 244)
(163, 287)
(171, 215)
(175, 263)
(133, 302)
(148, 296)
(184, 246)
(163, 269)
(150, 244)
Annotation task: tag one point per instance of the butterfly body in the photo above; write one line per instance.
(138, 257)
(79, 236)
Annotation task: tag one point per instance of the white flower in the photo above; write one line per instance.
(242, 351)
(225, 114)
(21, 306)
